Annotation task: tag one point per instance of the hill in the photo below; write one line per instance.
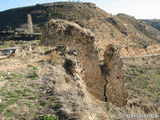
(153, 22)
(72, 11)
(121, 30)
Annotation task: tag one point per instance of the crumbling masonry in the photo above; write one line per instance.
(101, 86)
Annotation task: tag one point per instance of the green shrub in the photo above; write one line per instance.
(32, 72)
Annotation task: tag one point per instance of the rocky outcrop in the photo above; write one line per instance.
(60, 32)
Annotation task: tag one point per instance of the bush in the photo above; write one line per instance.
(32, 72)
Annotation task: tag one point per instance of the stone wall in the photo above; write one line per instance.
(60, 32)
(115, 90)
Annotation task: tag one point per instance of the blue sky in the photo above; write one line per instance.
(138, 8)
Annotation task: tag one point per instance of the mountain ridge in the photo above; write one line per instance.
(153, 22)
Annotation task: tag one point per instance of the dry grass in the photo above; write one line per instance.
(143, 81)
(63, 24)
(21, 87)
(54, 58)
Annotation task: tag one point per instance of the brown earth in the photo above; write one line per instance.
(38, 84)
(115, 89)
(60, 32)
(131, 51)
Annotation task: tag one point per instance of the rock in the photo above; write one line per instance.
(22, 51)
(62, 48)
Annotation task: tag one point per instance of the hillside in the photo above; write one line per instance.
(17, 18)
(121, 30)
(153, 22)
(47, 83)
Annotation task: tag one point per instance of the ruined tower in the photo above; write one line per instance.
(30, 24)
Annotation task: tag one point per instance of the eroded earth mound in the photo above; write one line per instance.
(102, 87)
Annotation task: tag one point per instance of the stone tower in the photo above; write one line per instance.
(30, 24)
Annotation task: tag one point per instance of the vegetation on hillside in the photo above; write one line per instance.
(154, 23)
